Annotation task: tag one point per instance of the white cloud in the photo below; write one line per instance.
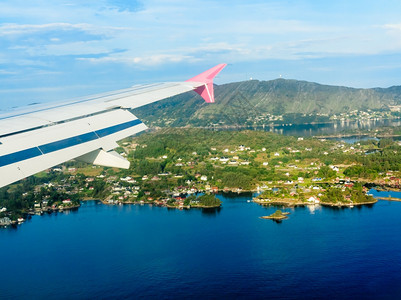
(151, 60)
(392, 26)
(7, 72)
(26, 29)
(50, 35)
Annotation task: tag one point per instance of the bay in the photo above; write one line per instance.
(135, 251)
(330, 128)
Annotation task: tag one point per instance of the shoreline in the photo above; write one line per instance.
(291, 203)
(389, 199)
(272, 124)
(263, 202)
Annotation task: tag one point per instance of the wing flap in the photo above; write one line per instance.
(25, 154)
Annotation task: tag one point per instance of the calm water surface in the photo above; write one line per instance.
(339, 127)
(147, 252)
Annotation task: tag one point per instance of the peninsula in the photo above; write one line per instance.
(170, 165)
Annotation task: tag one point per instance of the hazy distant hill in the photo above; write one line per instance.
(242, 102)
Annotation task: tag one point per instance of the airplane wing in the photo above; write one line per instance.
(39, 137)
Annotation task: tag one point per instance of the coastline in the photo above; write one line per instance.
(287, 202)
(295, 203)
(389, 199)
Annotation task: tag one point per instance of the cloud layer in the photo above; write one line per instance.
(108, 43)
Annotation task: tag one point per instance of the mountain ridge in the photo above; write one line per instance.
(244, 101)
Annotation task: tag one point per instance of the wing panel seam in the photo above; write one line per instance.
(44, 149)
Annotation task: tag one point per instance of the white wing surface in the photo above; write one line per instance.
(38, 137)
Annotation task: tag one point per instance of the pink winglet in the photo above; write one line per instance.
(206, 91)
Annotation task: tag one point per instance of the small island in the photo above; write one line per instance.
(278, 215)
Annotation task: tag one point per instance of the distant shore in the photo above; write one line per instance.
(294, 203)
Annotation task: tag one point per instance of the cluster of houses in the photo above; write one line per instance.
(127, 188)
(363, 115)
(5, 221)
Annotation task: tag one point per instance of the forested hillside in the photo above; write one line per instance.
(287, 100)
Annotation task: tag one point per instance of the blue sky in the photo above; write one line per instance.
(53, 50)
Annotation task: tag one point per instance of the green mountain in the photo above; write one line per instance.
(253, 101)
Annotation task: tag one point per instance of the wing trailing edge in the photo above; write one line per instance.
(107, 159)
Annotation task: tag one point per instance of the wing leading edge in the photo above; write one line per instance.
(87, 129)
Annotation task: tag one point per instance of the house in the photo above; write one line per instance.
(314, 200)
(5, 221)
(203, 178)
(126, 178)
(334, 168)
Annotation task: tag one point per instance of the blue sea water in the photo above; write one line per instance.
(135, 251)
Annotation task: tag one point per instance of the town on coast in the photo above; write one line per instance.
(184, 168)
